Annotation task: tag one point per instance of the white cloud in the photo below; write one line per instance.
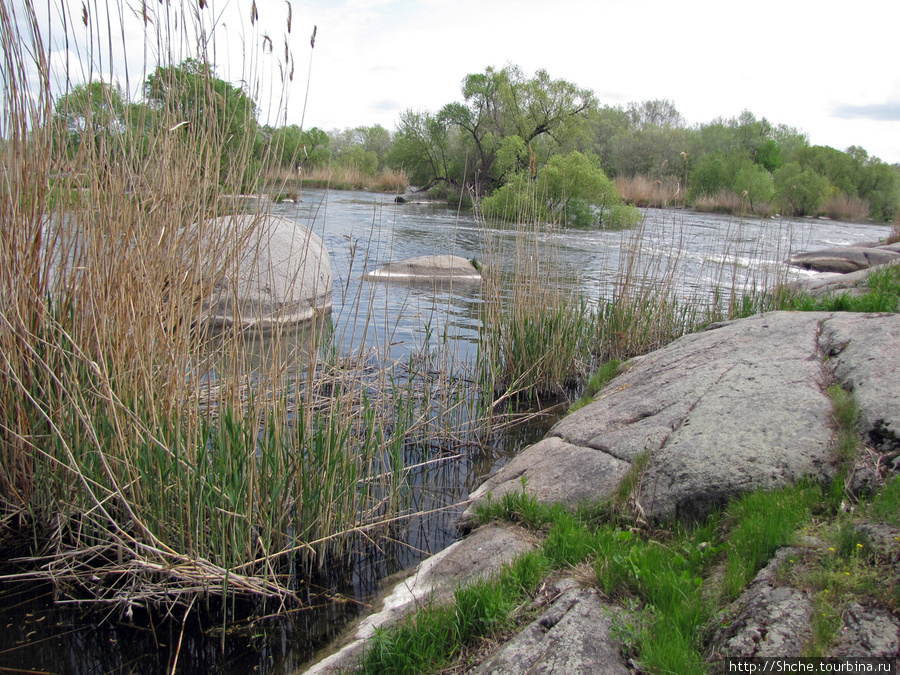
(823, 69)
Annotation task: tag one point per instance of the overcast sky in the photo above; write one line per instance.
(827, 68)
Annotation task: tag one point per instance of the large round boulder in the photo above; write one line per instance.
(280, 274)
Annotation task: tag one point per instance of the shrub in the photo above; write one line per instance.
(709, 176)
(571, 189)
(799, 191)
(755, 185)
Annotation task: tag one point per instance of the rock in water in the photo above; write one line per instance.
(428, 268)
(845, 259)
(283, 274)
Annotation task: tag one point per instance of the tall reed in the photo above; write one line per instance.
(146, 457)
(535, 329)
(644, 192)
(348, 178)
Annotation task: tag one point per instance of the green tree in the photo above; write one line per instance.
(290, 147)
(313, 148)
(880, 185)
(357, 157)
(841, 169)
(366, 148)
(800, 191)
(501, 104)
(571, 189)
(755, 185)
(604, 124)
(709, 175)
(216, 117)
(653, 151)
(95, 113)
(422, 148)
(660, 113)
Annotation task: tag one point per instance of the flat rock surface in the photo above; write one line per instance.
(865, 362)
(572, 636)
(870, 632)
(738, 407)
(433, 268)
(845, 258)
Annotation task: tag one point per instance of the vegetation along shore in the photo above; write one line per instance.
(171, 458)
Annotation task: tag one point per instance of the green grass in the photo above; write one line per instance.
(883, 295)
(886, 505)
(763, 522)
(672, 581)
(844, 414)
(434, 636)
(607, 371)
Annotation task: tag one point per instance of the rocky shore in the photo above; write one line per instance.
(738, 407)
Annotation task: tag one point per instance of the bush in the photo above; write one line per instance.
(799, 191)
(755, 185)
(571, 189)
(708, 177)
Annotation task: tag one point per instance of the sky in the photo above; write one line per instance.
(827, 68)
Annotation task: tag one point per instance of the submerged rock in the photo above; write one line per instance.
(428, 268)
(283, 274)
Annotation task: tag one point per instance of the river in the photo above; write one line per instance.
(695, 252)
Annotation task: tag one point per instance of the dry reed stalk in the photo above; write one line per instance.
(337, 178)
(184, 465)
(842, 207)
(643, 192)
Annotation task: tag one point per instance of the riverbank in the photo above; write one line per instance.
(666, 466)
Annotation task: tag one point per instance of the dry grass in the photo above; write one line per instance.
(643, 192)
(894, 236)
(338, 178)
(731, 203)
(841, 207)
(145, 459)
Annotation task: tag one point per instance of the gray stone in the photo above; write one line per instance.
(868, 632)
(572, 636)
(283, 274)
(767, 620)
(417, 197)
(719, 413)
(553, 471)
(428, 268)
(826, 284)
(862, 350)
(844, 259)
(736, 408)
(883, 538)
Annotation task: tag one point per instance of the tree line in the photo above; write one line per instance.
(519, 145)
